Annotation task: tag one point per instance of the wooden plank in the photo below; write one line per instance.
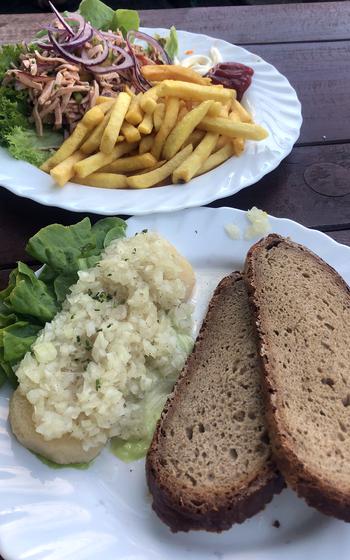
(342, 236)
(312, 186)
(324, 21)
(320, 74)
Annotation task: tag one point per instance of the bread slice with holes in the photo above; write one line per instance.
(209, 464)
(302, 311)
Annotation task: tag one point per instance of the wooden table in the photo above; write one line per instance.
(310, 44)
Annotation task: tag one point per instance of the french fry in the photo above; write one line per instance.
(183, 129)
(196, 92)
(129, 91)
(130, 132)
(96, 161)
(183, 111)
(237, 143)
(64, 171)
(158, 116)
(225, 108)
(106, 105)
(146, 144)
(131, 163)
(155, 166)
(93, 141)
(196, 159)
(242, 112)
(233, 129)
(91, 118)
(194, 138)
(216, 159)
(215, 109)
(160, 72)
(222, 141)
(170, 118)
(105, 181)
(134, 115)
(151, 178)
(146, 125)
(111, 132)
(103, 98)
(148, 101)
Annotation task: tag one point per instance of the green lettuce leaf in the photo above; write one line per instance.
(17, 340)
(105, 18)
(60, 246)
(7, 370)
(30, 296)
(13, 112)
(9, 55)
(104, 227)
(125, 20)
(171, 45)
(62, 283)
(28, 301)
(24, 143)
(97, 13)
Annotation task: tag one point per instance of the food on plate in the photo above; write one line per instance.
(106, 180)
(196, 160)
(62, 451)
(158, 73)
(302, 311)
(100, 81)
(232, 75)
(91, 119)
(29, 301)
(96, 161)
(150, 178)
(209, 464)
(195, 92)
(116, 118)
(231, 129)
(75, 61)
(200, 63)
(184, 128)
(233, 231)
(104, 365)
(259, 223)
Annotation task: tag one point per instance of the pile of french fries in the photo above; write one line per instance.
(180, 128)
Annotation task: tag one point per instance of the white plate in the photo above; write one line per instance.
(105, 511)
(273, 103)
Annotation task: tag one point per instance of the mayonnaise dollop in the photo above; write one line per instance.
(201, 63)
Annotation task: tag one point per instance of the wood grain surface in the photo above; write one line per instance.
(328, 21)
(310, 44)
(306, 42)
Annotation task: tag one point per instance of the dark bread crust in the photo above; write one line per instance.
(317, 492)
(193, 510)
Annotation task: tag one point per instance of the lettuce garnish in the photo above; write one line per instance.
(29, 301)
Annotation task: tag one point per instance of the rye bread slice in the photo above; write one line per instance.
(302, 311)
(209, 464)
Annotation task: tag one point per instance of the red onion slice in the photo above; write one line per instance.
(152, 41)
(62, 20)
(79, 41)
(126, 63)
(80, 59)
(140, 83)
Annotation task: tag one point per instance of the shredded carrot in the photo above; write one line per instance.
(190, 51)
